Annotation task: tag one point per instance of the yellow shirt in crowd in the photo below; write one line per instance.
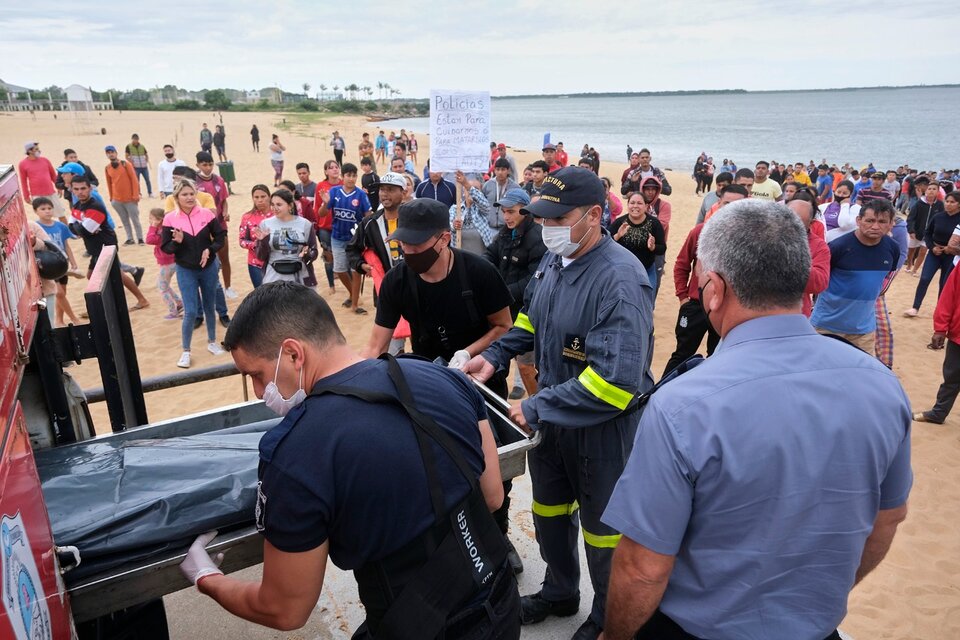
(766, 190)
(204, 199)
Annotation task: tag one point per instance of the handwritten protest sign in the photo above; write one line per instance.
(459, 131)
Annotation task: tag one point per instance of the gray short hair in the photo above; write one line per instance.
(761, 250)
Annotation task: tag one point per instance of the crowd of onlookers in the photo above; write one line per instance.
(285, 229)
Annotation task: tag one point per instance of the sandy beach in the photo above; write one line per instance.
(915, 593)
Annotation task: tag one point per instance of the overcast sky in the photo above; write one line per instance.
(506, 47)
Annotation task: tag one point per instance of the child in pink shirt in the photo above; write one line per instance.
(167, 265)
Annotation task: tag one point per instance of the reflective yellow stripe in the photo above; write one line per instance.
(554, 510)
(600, 542)
(604, 390)
(523, 322)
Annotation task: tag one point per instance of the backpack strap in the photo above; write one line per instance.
(466, 291)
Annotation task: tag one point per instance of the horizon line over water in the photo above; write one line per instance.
(888, 127)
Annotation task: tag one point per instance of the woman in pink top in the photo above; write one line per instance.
(167, 265)
(38, 178)
(193, 236)
(250, 221)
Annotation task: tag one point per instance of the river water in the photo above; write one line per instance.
(885, 126)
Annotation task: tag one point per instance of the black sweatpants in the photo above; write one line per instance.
(692, 325)
(950, 387)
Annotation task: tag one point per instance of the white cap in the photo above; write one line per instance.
(393, 179)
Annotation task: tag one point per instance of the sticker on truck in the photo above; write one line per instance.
(23, 597)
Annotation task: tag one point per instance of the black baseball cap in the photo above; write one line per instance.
(566, 189)
(419, 220)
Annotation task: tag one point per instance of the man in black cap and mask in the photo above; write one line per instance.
(456, 302)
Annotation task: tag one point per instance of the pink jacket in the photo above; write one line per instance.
(250, 221)
(154, 238)
(191, 223)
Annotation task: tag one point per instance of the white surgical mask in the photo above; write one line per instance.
(557, 239)
(275, 400)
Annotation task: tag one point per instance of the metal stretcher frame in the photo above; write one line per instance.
(137, 582)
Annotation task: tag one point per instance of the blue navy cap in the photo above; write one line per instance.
(566, 189)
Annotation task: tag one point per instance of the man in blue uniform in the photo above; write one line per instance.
(387, 467)
(588, 317)
(758, 492)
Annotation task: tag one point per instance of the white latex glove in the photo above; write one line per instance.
(198, 562)
(459, 359)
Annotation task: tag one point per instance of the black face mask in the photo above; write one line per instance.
(169, 156)
(706, 311)
(421, 262)
(114, 163)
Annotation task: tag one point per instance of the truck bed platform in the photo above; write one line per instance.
(88, 487)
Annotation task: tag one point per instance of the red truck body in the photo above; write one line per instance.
(34, 604)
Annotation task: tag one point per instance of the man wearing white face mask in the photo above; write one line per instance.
(379, 466)
(588, 316)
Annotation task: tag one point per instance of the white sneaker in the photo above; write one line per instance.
(230, 294)
(184, 361)
(215, 349)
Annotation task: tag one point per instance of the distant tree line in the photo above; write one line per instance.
(351, 98)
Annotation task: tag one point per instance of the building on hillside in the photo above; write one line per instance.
(172, 95)
(78, 98)
(17, 98)
(271, 94)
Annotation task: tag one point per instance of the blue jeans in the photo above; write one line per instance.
(931, 264)
(220, 300)
(323, 237)
(145, 172)
(652, 275)
(339, 250)
(256, 275)
(193, 283)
